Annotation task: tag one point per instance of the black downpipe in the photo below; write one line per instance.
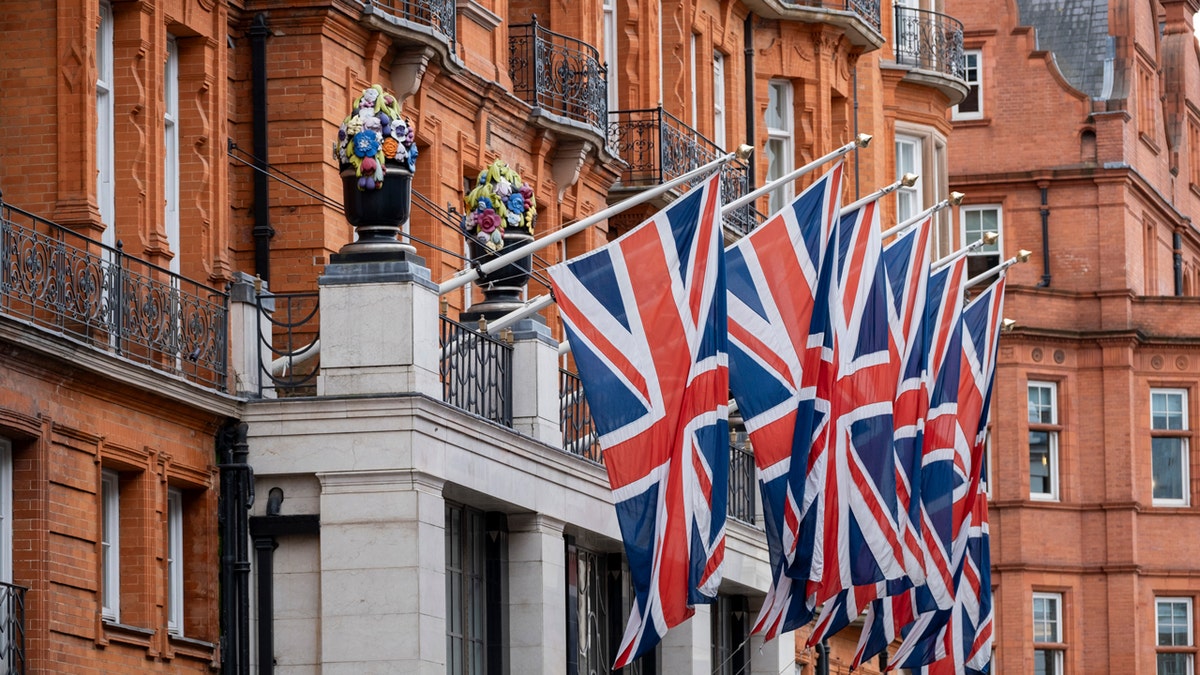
(236, 498)
(1177, 250)
(823, 657)
(264, 549)
(1045, 282)
(263, 232)
(748, 37)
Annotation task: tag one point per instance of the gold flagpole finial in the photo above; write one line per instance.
(744, 151)
(862, 140)
(1007, 324)
(990, 238)
(1023, 255)
(909, 179)
(956, 198)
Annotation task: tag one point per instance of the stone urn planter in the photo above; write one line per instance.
(500, 216)
(377, 155)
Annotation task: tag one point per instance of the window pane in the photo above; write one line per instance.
(1041, 468)
(1167, 465)
(1041, 405)
(776, 104)
(1166, 409)
(1174, 664)
(1047, 662)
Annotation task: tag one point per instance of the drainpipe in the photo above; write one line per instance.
(1177, 251)
(748, 37)
(234, 502)
(823, 657)
(263, 232)
(1045, 282)
(854, 75)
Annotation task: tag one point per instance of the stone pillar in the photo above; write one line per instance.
(774, 657)
(248, 353)
(537, 590)
(687, 648)
(535, 382)
(379, 329)
(383, 573)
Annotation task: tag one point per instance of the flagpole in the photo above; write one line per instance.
(860, 142)
(954, 199)
(532, 307)
(464, 277)
(1020, 257)
(987, 239)
(907, 180)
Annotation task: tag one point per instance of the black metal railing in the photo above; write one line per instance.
(657, 147)
(61, 281)
(12, 629)
(929, 40)
(293, 345)
(476, 371)
(741, 478)
(436, 14)
(578, 431)
(558, 74)
(867, 10)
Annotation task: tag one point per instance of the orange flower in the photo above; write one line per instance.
(390, 146)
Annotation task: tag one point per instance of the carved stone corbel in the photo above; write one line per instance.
(569, 157)
(408, 68)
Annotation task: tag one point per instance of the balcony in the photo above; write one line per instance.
(64, 283)
(931, 44)
(428, 23)
(656, 147)
(561, 77)
(860, 19)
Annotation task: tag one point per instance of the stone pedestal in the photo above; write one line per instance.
(687, 648)
(248, 353)
(379, 327)
(537, 610)
(535, 382)
(383, 573)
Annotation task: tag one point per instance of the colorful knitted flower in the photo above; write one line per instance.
(375, 130)
(500, 202)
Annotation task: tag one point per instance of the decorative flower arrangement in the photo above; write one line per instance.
(499, 201)
(373, 134)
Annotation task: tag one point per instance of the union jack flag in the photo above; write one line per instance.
(852, 471)
(645, 316)
(773, 277)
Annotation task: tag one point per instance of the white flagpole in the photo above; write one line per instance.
(907, 180)
(860, 142)
(987, 239)
(954, 199)
(464, 277)
(532, 307)
(1020, 257)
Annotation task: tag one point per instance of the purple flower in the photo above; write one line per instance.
(526, 192)
(488, 221)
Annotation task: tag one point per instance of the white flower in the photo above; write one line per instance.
(503, 187)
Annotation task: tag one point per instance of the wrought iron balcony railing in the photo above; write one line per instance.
(558, 74)
(867, 10)
(578, 430)
(12, 629)
(741, 479)
(930, 41)
(292, 346)
(657, 147)
(63, 282)
(437, 15)
(476, 372)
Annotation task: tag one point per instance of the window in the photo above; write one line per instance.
(171, 151)
(1147, 103)
(985, 478)
(174, 561)
(971, 107)
(1043, 440)
(719, 99)
(730, 655)
(1173, 627)
(609, 26)
(6, 524)
(476, 565)
(693, 83)
(1047, 634)
(976, 221)
(105, 167)
(110, 545)
(908, 160)
(1193, 129)
(779, 141)
(1169, 446)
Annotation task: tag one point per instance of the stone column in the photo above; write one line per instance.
(383, 573)
(246, 324)
(537, 590)
(379, 329)
(774, 657)
(535, 382)
(687, 648)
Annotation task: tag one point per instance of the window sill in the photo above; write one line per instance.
(192, 648)
(126, 634)
(968, 122)
(1045, 498)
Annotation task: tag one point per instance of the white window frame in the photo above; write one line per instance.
(174, 561)
(609, 26)
(1054, 647)
(693, 81)
(915, 193)
(110, 545)
(171, 152)
(1185, 449)
(6, 509)
(782, 138)
(719, 99)
(973, 76)
(1191, 658)
(995, 250)
(105, 141)
(1052, 439)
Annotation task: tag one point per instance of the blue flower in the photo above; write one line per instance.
(485, 203)
(366, 143)
(412, 158)
(516, 203)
